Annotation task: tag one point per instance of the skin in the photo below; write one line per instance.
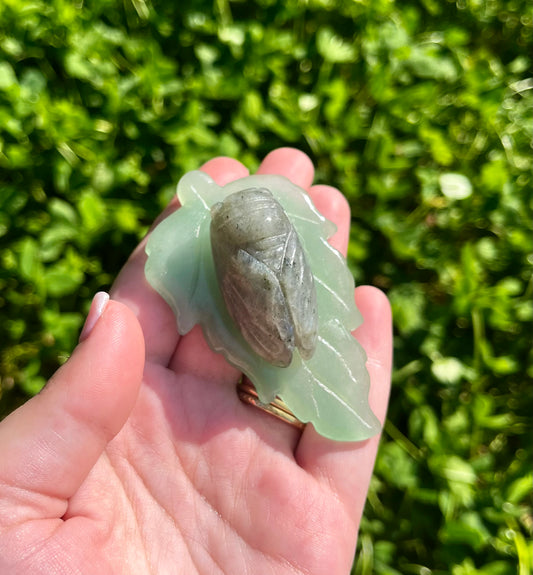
(138, 457)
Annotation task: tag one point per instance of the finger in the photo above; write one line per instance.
(153, 313)
(347, 467)
(155, 316)
(49, 445)
(291, 163)
(224, 170)
(332, 204)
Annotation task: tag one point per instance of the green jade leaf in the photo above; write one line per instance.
(330, 390)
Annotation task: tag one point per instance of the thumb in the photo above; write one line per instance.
(49, 445)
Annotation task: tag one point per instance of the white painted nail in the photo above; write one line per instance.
(97, 309)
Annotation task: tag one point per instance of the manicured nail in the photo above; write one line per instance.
(97, 309)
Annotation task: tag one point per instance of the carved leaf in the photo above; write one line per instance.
(330, 390)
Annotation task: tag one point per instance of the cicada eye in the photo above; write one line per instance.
(264, 276)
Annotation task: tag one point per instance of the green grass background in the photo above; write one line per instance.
(420, 111)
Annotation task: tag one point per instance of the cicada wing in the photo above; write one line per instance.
(297, 283)
(257, 304)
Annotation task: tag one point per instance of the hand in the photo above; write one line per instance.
(138, 457)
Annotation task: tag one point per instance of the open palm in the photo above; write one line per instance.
(138, 456)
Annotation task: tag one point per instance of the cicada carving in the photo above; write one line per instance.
(264, 276)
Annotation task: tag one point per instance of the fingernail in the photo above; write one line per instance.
(97, 309)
